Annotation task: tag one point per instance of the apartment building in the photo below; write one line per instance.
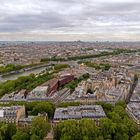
(94, 112)
(12, 114)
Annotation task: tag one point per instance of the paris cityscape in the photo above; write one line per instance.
(69, 70)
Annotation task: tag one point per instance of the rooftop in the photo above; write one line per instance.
(79, 112)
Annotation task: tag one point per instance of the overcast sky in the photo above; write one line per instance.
(87, 20)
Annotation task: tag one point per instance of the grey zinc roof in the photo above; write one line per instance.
(78, 112)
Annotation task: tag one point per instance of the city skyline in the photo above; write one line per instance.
(62, 20)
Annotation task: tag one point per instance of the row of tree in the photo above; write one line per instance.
(115, 52)
(102, 66)
(9, 67)
(61, 66)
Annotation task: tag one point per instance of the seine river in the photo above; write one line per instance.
(15, 76)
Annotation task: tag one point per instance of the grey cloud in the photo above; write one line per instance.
(69, 17)
(29, 22)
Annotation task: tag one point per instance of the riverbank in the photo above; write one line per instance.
(20, 74)
(24, 69)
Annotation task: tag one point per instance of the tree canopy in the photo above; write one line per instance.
(117, 126)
